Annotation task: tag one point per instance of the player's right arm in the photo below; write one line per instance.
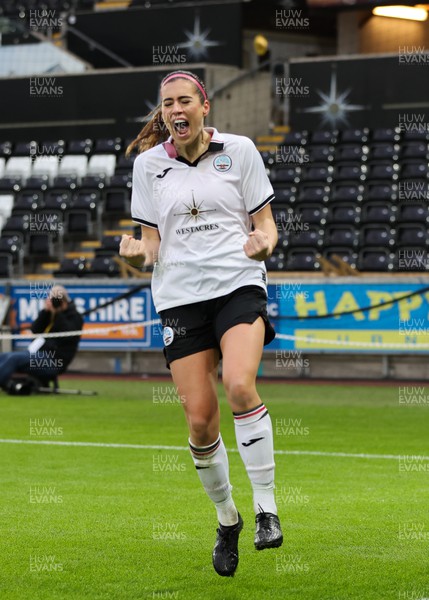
(140, 252)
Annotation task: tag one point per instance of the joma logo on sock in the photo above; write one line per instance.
(252, 441)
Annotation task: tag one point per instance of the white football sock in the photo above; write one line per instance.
(212, 467)
(254, 434)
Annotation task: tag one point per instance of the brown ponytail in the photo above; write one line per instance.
(153, 133)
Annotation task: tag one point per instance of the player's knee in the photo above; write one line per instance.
(239, 391)
(201, 429)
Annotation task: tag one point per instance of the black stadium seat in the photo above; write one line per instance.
(379, 212)
(302, 259)
(104, 266)
(6, 266)
(342, 235)
(375, 259)
(71, 267)
(347, 213)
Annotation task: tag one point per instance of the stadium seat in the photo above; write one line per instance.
(384, 151)
(108, 145)
(285, 174)
(415, 136)
(80, 146)
(319, 173)
(109, 245)
(346, 254)
(46, 165)
(2, 166)
(6, 204)
(38, 182)
(385, 135)
(415, 149)
(382, 170)
(58, 199)
(124, 164)
(96, 182)
(71, 267)
(103, 266)
(295, 138)
(13, 244)
(28, 200)
(312, 213)
(359, 136)
(379, 212)
(6, 149)
(53, 147)
(285, 193)
(412, 234)
(102, 164)
(376, 259)
(24, 148)
(6, 266)
(78, 223)
(318, 153)
(20, 166)
(276, 262)
(305, 235)
(413, 212)
(377, 235)
(302, 259)
(381, 191)
(91, 201)
(412, 258)
(73, 165)
(313, 192)
(11, 183)
(19, 224)
(350, 152)
(117, 201)
(416, 169)
(67, 181)
(40, 245)
(341, 235)
(346, 213)
(121, 180)
(324, 137)
(349, 171)
(347, 192)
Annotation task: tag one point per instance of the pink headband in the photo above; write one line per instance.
(184, 76)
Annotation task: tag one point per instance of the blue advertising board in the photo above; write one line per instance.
(353, 315)
(380, 315)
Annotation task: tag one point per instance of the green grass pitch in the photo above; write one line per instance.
(114, 522)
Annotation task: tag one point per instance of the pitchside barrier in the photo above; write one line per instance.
(353, 315)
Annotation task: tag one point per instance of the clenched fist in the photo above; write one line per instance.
(132, 250)
(258, 245)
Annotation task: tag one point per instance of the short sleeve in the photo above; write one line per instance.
(142, 204)
(256, 187)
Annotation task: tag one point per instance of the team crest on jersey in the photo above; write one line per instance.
(167, 335)
(222, 162)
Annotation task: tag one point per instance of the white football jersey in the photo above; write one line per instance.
(202, 211)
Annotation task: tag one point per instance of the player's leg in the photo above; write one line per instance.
(241, 347)
(195, 377)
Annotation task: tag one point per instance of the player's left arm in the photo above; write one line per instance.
(263, 239)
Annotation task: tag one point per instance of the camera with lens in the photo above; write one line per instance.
(56, 302)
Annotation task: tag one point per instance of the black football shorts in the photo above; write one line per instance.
(199, 326)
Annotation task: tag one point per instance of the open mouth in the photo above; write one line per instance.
(181, 126)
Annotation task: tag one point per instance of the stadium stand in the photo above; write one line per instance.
(336, 193)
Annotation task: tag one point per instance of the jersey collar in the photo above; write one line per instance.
(216, 144)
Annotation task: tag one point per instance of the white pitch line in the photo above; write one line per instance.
(185, 448)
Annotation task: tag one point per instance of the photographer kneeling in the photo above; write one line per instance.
(46, 358)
